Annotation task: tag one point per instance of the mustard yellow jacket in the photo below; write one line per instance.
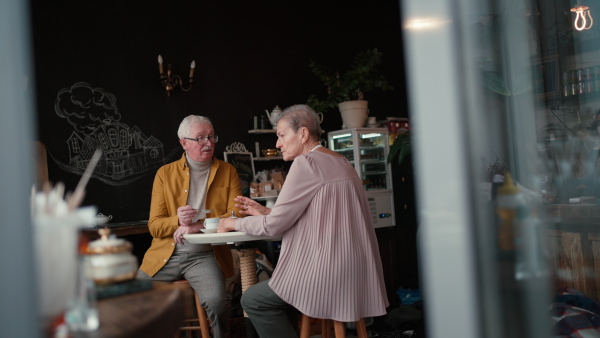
(170, 191)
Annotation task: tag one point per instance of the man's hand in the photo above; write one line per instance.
(186, 214)
(193, 228)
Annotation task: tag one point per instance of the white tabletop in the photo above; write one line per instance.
(225, 238)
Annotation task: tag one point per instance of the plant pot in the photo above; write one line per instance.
(354, 113)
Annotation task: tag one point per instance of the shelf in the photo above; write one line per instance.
(368, 161)
(585, 97)
(374, 173)
(372, 161)
(373, 147)
(262, 131)
(268, 158)
(269, 199)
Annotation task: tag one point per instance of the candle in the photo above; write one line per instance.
(192, 66)
(160, 64)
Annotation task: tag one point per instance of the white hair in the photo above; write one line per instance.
(301, 115)
(188, 122)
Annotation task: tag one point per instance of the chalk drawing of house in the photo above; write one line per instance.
(125, 151)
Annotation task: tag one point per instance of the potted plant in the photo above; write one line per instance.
(347, 90)
(401, 147)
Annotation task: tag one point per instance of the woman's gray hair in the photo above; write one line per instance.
(188, 122)
(301, 115)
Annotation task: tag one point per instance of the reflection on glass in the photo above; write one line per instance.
(539, 149)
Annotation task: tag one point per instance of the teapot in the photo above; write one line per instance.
(273, 116)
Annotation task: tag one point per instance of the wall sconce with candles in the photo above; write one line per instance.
(171, 81)
(581, 22)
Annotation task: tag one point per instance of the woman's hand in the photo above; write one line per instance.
(250, 207)
(185, 215)
(226, 224)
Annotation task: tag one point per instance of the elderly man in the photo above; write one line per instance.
(181, 193)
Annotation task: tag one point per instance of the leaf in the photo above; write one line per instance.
(495, 82)
(400, 148)
(361, 78)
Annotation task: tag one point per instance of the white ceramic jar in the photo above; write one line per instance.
(109, 259)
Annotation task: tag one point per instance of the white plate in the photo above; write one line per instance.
(208, 231)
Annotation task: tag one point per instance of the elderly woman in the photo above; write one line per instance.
(329, 266)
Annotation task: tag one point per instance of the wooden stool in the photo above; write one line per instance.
(203, 328)
(339, 328)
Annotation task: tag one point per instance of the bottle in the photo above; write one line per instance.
(573, 82)
(510, 206)
(548, 191)
(589, 81)
(566, 87)
(82, 314)
(520, 233)
(580, 81)
(596, 75)
(263, 122)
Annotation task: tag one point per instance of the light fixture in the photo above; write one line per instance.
(171, 81)
(419, 24)
(582, 11)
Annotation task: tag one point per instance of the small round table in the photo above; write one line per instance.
(247, 260)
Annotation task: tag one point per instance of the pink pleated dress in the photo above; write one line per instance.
(329, 265)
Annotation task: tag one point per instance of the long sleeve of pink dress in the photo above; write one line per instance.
(329, 265)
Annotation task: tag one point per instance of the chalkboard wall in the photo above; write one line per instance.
(98, 85)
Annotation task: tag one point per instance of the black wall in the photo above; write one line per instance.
(250, 56)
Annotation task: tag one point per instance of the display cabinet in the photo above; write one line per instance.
(367, 150)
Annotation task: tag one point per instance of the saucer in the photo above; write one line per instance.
(208, 231)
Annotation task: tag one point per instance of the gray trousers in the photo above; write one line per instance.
(271, 316)
(206, 277)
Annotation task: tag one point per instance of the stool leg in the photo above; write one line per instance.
(305, 330)
(325, 328)
(202, 318)
(340, 329)
(361, 328)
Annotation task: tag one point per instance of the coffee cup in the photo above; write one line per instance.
(211, 223)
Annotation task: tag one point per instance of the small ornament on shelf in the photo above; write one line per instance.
(236, 147)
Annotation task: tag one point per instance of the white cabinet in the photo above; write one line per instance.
(367, 150)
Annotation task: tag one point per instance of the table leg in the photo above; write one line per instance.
(248, 269)
(270, 202)
(249, 278)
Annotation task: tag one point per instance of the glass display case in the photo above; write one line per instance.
(367, 149)
(369, 157)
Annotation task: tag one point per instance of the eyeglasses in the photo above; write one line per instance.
(202, 140)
